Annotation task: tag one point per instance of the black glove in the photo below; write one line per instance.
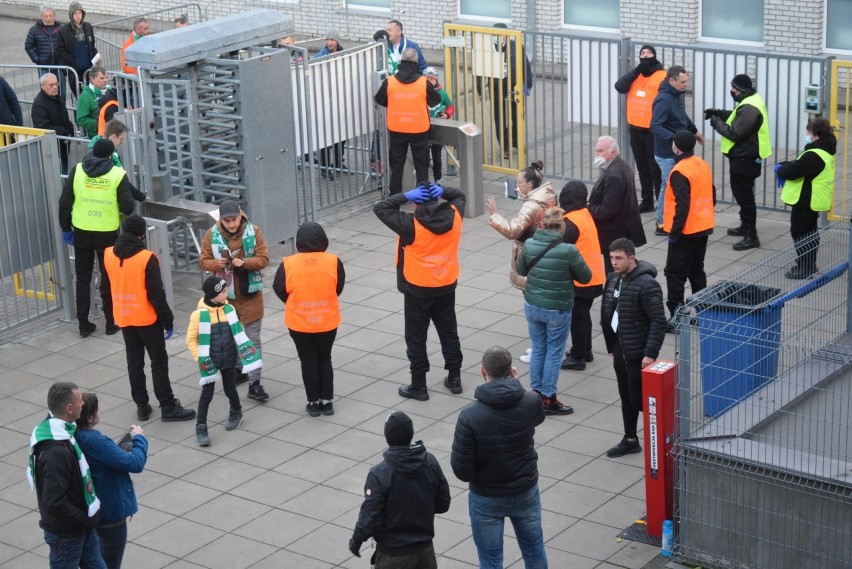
(714, 120)
(354, 547)
(709, 113)
(644, 65)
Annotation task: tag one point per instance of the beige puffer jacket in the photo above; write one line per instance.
(529, 217)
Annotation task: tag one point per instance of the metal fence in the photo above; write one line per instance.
(765, 394)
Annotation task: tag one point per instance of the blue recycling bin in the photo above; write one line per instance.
(739, 337)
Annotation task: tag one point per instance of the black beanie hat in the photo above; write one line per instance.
(742, 82)
(135, 225)
(399, 429)
(103, 148)
(650, 47)
(684, 140)
(212, 286)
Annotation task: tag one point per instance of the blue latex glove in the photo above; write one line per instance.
(779, 181)
(419, 194)
(777, 167)
(68, 237)
(436, 191)
(169, 333)
(527, 91)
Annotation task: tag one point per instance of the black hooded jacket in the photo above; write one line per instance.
(436, 216)
(408, 72)
(493, 446)
(93, 167)
(572, 198)
(401, 497)
(808, 166)
(127, 246)
(66, 44)
(742, 131)
(310, 238)
(626, 81)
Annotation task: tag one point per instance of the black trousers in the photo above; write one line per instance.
(84, 266)
(207, 390)
(314, 351)
(505, 112)
(581, 328)
(437, 166)
(629, 378)
(685, 260)
(398, 144)
(441, 310)
(744, 171)
(642, 146)
(138, 340)
(804, 222)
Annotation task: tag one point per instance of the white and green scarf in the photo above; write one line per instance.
(249, 355)
(53, 429)
(218, 244)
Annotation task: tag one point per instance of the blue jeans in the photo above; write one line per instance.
(113, 541)
(487, 516)
(666, 165)
(548, 332)
(73, 552)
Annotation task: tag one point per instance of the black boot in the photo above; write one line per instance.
(737, 231)
(417, 390)
(453, 381)
(750, 241)
(175, 412)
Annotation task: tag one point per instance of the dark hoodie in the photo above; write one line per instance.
(127, 246)
(310, 238)
(493, 446)
(93, 167)
(401, 497)
(574, 196)
(77, 43)
(743, 130)
(408, 72)
(808, 166)
(436, 216)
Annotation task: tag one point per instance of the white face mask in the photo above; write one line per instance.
(599, 161)
(808, 139)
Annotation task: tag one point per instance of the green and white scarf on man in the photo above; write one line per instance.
(53, 429)
(249, 355)
(218, 244)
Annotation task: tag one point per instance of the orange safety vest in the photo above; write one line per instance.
(311, 283)
(127, 43)
(102, 116)
(701, 216)
(641, 96)
(433, 260)
(130, 304)
(407, 108)
(588, 245)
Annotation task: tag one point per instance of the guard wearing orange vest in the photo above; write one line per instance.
(641, 85)
(689, 218)
(427, 268)
(407, 96)
(141, 310)
(579, 229)
(309, 283)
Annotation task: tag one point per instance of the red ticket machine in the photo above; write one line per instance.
(658, 393)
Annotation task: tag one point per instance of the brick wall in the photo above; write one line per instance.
(660, 21)
(793, 26)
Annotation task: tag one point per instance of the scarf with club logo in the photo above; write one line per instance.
(249, 355)
(218, 245)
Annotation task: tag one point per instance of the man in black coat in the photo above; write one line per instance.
(10, 108)
(494, 451)
(49, 112)
(401, 497)
(633, 320)
(613, 202)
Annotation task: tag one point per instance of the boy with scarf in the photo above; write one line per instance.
(217, 342)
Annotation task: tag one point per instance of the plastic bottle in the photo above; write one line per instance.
(668, 538)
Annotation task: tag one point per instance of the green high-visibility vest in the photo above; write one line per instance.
(822, 186)
(764, 145)
(96, 200)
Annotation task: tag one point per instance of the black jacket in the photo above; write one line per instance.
(641, 314)
(742, 131)
(408, 72)
(310, 238)
(66, 46)
(510, 58)
(623, 84)
(42, 44)
(436, 216)
(59, 490)
(493, 446)
(91, 166)
(668, 115)
(614, 207)
(127, 246)
(50, 113)
(10, 108)
(683, 198)
(401, 497)
(572, 198)
(808, 166)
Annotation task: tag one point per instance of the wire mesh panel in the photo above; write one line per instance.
(765, 394)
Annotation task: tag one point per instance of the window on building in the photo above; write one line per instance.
(501, 9)
(838, 24)
(377, 4)
(735, 20)
(597, 14)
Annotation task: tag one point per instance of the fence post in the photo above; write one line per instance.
(658, 417)
(624, 63)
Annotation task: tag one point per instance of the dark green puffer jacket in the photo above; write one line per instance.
(549, 283)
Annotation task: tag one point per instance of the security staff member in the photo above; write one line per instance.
(95, 192)
(407, 96)
(427, 269)
(745, 141)
(688, 218)
(141, 310)
(641, 85)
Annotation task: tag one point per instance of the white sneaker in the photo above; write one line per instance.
(529, 351)
(525, 358)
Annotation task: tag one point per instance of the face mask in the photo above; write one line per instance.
(734, 95)
(599, 161)
(808, 139)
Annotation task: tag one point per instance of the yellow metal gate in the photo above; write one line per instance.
(488, 77)
(839, 115)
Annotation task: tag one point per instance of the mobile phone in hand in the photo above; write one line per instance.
(126, 442)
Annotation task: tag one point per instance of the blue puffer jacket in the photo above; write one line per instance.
(42, 44)
(550, 282)
(110, 466)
